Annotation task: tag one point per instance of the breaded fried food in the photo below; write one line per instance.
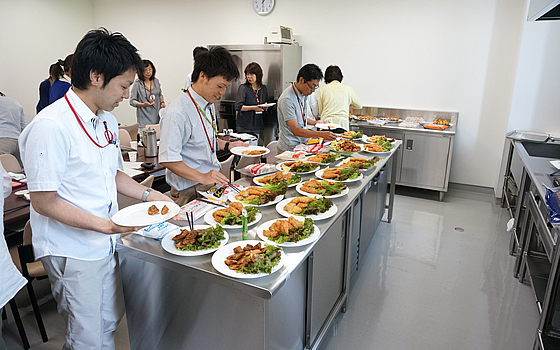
(285, 226)
(331, 173)
(186, 237)
(373, 147)
(253, 152)
(296, 205)
(153, 210)
(234, 207)
(279, 175)
(251, 193)
(244, 255)
(164, 210)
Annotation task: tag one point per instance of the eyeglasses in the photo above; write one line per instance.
(313, 87)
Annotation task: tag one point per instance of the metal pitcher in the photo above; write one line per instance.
(149, 140)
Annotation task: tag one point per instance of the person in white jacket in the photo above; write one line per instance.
(11, 279)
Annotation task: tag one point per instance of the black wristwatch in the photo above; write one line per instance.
(226, 146)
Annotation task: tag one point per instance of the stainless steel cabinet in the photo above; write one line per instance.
(328, 260)
(424, 160)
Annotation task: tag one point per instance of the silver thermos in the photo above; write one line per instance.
(149, 140)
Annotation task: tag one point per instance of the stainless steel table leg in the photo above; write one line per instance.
(393, 185)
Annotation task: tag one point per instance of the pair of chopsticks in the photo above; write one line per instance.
(211, 202)
(233, 187)
(190, 220)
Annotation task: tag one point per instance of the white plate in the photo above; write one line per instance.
(232, 194)
(281, 167)
(344, 192)
(320, 173)
(168, 244)
(220, 256)
(555, 163)
(266, 225)
(264, 105)
(329, 213)
(365, 139)
(238, 151)
(392, 121)
(137, 214)
(377, 153)
(312, 162)
(327, 126)
(21, 193)
(209, 219)
(258, 183)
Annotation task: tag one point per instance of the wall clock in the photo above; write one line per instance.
(263, 7)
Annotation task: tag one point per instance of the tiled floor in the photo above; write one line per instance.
(424, 284)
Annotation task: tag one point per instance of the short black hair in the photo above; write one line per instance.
(254, 68)
(198, 50)
(310, 72)
(146, 63)
(333, 73)
(215, 62)
(103, 52)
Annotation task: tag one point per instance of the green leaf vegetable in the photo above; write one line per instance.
(263, 262)
(232, 219)
(296, 235)
(209, 239)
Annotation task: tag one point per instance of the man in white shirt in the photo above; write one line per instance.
(72, 160)
(189, 139)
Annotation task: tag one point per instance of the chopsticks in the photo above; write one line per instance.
(233, 187)
(211, 202)
(190, 220)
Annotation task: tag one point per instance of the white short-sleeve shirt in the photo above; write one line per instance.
(59, 156)
(186, 136)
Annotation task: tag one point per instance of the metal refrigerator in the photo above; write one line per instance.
(280, 64)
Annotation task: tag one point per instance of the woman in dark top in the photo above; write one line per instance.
(55, 70)
(62, 83)
(249, 96)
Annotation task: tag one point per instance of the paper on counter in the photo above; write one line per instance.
(131, 168)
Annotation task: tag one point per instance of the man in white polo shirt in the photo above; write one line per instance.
(189, 139)
(71, 155)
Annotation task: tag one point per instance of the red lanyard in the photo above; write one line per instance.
(146, 92)
(302, 109)
(108, 134)
(211, 144)
(256, 98)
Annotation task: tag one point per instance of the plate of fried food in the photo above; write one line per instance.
(359, 163)
(248, 259)
(202, 240)
(256, 196)
(323, 158)
(392, 120)
(250, 151)
(316, 208)
(291, 179)
(298, 167)
(340, 174)
(323, 188)
(352, 135)
(291, 232)
(345, 146)
(231, 217)
(146, 213)
(378, 145)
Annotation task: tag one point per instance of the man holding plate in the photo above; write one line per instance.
(71, 155)
(189, 138)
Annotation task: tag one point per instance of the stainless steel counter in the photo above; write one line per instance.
(162, 289)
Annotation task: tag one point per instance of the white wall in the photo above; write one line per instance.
(33, 35)
(430, 54)
(536, 96)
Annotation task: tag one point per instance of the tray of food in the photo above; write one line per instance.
(392, 120)
(291, 232)
(250, 151)
(352, 135)
(322, 188)
(256, 196)
(231, 217)
(440, 121)
(324, 158)
(340, 174)
(248, 259)
(435, 126)
(345, 147)
(202, 240)
(146, 213)
(290, 179)
(315, 208)
(298, 167)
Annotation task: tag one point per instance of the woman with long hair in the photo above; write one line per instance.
(62, 82)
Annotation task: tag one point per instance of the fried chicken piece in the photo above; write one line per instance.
(236, 208)
(374, 148)
(180, 235)
(219, 215)
(313, 183)
(164, 210)
(153, 210)
(309, 189)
